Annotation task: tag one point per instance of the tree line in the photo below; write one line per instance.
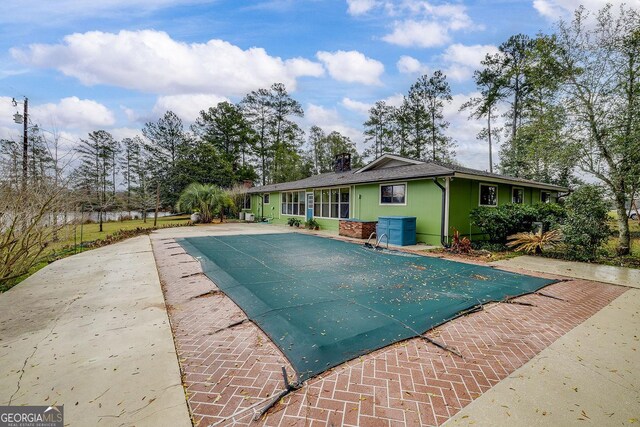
(555, 104)
(569, 102)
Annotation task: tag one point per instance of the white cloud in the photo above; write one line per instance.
(422, 24)
(124, 132)
(463, 60)
(151, 61)
(304, 67)
(131, 114)
(418, 33)
(187, 107)
(360, 7)
(363, 108)
(394, 100)
(9, 129)
(73, 113)
(555, 9)
(470, 151)
(410, 65)
(329, 120)
(352, 67)
(357, 106)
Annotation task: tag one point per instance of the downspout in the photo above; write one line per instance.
(443, 241)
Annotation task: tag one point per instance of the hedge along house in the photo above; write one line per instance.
(440, 196)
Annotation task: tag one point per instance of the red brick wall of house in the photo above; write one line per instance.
(357, 229)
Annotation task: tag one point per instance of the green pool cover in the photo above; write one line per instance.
(325, 301)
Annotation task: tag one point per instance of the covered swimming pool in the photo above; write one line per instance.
(324, 301)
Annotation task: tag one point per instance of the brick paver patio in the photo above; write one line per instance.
(231, 369)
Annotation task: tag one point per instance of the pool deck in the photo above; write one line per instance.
(231, 369)
(91, 332)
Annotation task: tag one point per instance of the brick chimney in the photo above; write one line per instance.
(342, 162)
(247, 183)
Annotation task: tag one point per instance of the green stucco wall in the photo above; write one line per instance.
(423, 200)
(465, 195)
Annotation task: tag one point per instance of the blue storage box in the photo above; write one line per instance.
(400, 230)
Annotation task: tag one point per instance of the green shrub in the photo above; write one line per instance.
(585, 228)
(505, 220)
(502, 221)
(551, 215)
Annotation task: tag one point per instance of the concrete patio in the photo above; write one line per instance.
(91, 332)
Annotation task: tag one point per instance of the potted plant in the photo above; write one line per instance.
(291, 222)
(312, 224)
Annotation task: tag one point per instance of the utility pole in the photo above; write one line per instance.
(25, 144)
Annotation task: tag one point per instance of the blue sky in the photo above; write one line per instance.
(115, 64)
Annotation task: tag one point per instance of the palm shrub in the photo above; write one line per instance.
(586, 227)
(535, 242)
(207, 199)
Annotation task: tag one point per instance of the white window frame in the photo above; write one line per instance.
(246, 198)
(268, 196)
(406, 193)
(315, 200)
(548, 192)
(517, 188)
(480, 194)
(304, 210)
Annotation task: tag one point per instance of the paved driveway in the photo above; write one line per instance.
(91, 332)
(589, 376)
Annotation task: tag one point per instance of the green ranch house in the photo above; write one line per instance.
(439, 196)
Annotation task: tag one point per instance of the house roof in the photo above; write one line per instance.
(412, 169)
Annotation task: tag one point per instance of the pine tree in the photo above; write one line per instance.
(425, 105)
(95, 173)
(378, 130)
(166, 143)
(130, 161)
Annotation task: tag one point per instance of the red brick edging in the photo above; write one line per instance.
(229, 373)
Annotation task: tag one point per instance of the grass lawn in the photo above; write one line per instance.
(69, 242)
(91, 232)
(610, 258)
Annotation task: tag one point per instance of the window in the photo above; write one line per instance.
(317, 203)
(344, 203)
(325, 203)
(331, 203)
(517, 195)
(545, 197)
(265, 198)
(246, 201)
(292, 203)
(394, 194)
(488, 195)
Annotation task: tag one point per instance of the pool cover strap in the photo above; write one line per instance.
(324, 301)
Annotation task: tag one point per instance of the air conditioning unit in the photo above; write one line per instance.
(250, 217)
